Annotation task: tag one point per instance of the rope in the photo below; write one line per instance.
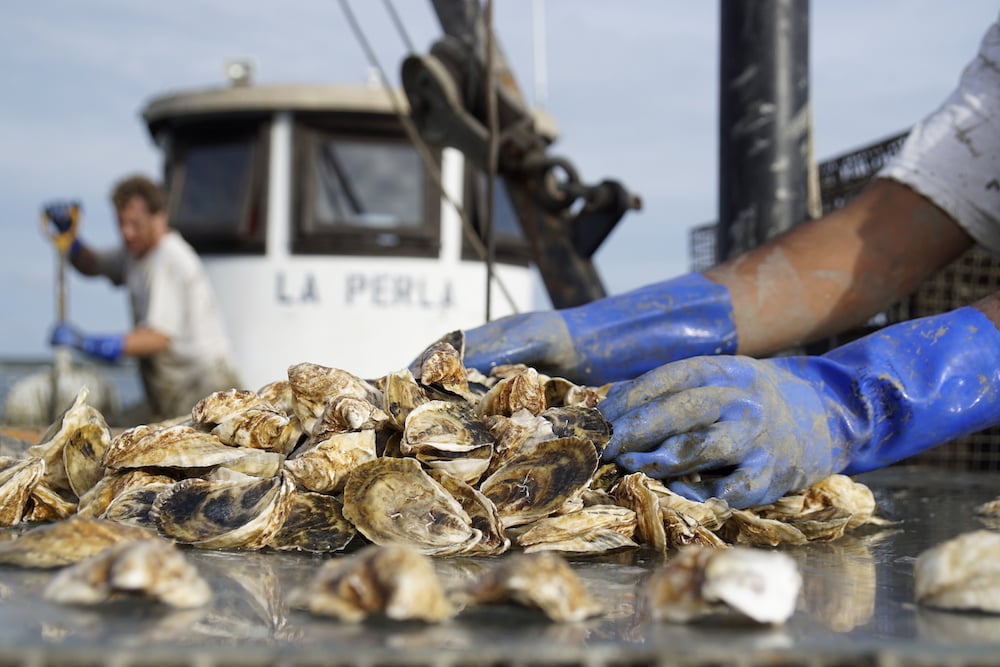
(425, 155)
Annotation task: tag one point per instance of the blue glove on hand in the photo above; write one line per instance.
(614, 338)
(108, 348)
(757, 429)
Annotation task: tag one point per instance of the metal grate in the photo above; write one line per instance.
(974, 275)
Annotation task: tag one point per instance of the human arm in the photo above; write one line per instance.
(753, 430)
(139, 342)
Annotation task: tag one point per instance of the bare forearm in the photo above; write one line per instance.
(144, 342)
(829, 274)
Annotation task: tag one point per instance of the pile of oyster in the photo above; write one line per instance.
(437, 458)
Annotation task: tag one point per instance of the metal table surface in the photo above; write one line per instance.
(856, 608)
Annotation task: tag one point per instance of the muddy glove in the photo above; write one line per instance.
(615, 338)
(757, 429)
(108, 348)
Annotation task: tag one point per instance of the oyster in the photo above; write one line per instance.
(591, 530)
(18, 479)
(702, 582)
(344, 414)
(745, 527)
(562, 392)
(153, 568)
(279, 395)
(47, 505)
(400, 395)
(521, 391)
(133, 507)
(448, 436)
(96, 500)
(586, 423)
(324, 466)
(258, 427)
(537, 483)
(683, 530)
(393, 501)
(962, 573)
(172, 447)
(315, 523)
(223, 515)
(66, 542)
(542, 581)
(391, 581)
(313, 386)
(440, 366)
(83, 430)
(482, 513)
(215, 407)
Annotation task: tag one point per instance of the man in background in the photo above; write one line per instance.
(178, 336)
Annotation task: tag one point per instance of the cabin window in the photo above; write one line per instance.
(216, 180)
(363, 191)
(510, 244)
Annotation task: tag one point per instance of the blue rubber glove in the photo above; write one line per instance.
(615, 338)
(108, 347)
(757, 429)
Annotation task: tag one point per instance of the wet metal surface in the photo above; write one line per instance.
(857, 600)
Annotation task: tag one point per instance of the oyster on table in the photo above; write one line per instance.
(315, 524)
(542, 581)
(962, 573)
(66, 542)
(395, 582)
(704, 582)
(152, 568)
(18, 480)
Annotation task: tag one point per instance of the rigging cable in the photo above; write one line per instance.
(492, 152)
(421, 147)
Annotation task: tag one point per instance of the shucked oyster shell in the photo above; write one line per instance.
(152, 567)
(391, 581)
(538, 482)
(393, 501)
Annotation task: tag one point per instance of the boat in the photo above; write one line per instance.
(323, 233)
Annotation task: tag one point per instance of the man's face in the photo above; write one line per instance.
(141, 230)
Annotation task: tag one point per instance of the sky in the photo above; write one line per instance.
(633, 86)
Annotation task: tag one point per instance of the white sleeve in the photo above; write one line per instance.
(952, 157)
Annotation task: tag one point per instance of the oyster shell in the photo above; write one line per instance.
(324, 466)
(591, 530)
(542, 581)
(313, 386)
(153, 568)
(279, 395)
(258, 427)
(482, 513)
(745, 527)
(391, 581)
(440, 366)
(521, 391)
(46, 505)
(223, 515)
(393, 501)
(96, 500)
(683, 530)
(172, 447)
(83, 430)
(133, 507)
(448, 436)
(962, 573)
(66, 542)
(400, 395)
(18, 479)
(538, 482)
(215, 407)
(580, 422)
(702, 582)
(315, 523)
(344, 414)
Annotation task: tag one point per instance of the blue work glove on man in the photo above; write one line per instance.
(614, 338)
(756, 429)
(108, 347)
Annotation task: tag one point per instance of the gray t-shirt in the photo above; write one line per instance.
(952, 157)
(169, 292)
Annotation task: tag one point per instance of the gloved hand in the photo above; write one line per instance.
(757, 429)
(108, 348)
(62, 218)
(615, 338)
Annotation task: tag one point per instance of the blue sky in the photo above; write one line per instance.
(633, 86)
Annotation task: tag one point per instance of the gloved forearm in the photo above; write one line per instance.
(109, 347)
(615, 338)
(756, 429)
